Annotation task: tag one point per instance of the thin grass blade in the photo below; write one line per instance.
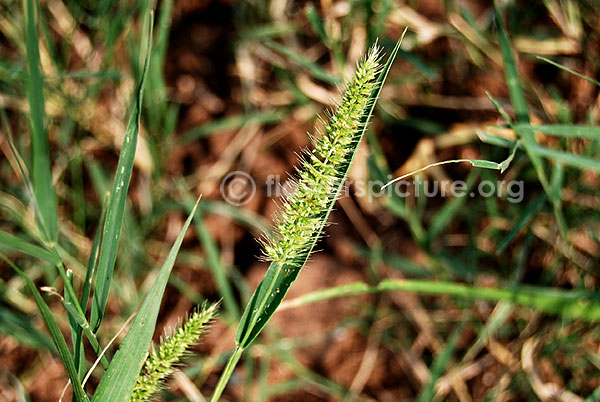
(567, 158)
(55, 334)
(85, 296)
(314, 69)
(12, 242)
(116, 204)
(530, 210)
(231, 123)
(517, 98)
(119, 380)
(564, 130)
(42, 173)
(20, 327)
(570, 71)
(439, 365)
(574, 304)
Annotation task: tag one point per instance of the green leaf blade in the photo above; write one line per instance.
(116, 203)
(55, 334)
(45, 194)
(12, 242)
(118, 382)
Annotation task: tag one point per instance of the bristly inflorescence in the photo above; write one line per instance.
(162, 360)
(323, 169)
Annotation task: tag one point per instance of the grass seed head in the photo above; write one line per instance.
(162, 360)
(320, 173)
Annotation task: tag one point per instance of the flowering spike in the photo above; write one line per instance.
(161, 361)
(321, 170)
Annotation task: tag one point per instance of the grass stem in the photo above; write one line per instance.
(235, 357)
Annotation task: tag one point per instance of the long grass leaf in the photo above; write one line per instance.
(515, 89)
(316, 23)
(93, 261)
(575, 304)
(439, 365)
(231, 123)
(12, 242)
(116, 204)
(530, 210)
(118, 382)
(20, 327)
(314, 69)
(85, 295)
(567, 158)
(570, 71)
(215, 264)
(76, 333)
(55, 334)
(42, 173)
(564, 130)
(517, 98)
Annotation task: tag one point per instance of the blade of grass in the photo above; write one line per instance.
(316, 23)
(12, 242)
(119, 380)
(530, 145)
(575, 304)
(556, 185)
(213, 256)
(76, 332)
(93, 261)
(564, 130)
(314, 69)
(118, 197)
(517, 97)
(87, 286)
(42, 173)
(570, 71)
(55, 334)
(231, 123)
(594, 396)
(76, 313)
(439, 364)
(214, 262)
(530, 210)
(494, 140)
(19, 326)
(567, 158)
(441, 219)
(524, 133)
(513, 82)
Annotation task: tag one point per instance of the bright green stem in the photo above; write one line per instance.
(77, 313)
(235, 357)
(237, 353)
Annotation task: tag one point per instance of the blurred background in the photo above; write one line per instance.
(236, 86)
